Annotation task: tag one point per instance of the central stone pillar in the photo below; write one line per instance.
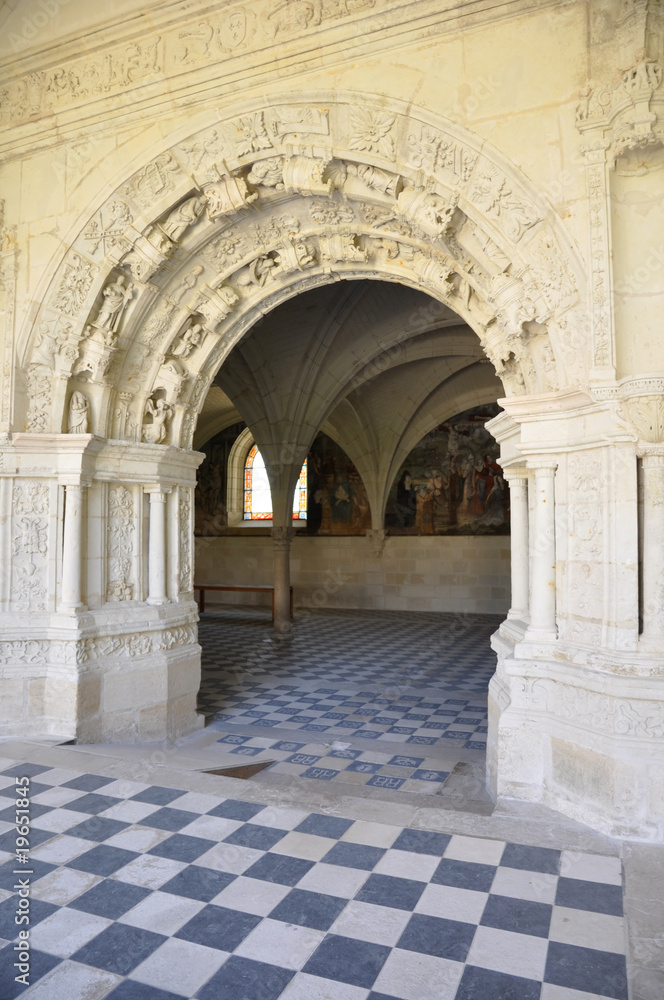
(542, 626)
(281, 541)
(157, 546)
(519, 555)
(653, 548)
(72, 551)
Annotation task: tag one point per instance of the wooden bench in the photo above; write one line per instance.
(254, 590)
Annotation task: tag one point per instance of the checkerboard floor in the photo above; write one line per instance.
(144, 892)
(417, 680)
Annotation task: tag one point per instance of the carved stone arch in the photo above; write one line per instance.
(401, 195)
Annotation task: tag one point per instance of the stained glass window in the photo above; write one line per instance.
(257, 495)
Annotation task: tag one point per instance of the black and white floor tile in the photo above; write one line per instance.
(418, 681)
(144, 892)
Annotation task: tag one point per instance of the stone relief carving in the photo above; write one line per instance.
(154, 180)
(268, 173)
(248, 134)
(75, 284)
(331, 215)
(647, 416)
(301, 123)
(227, 195)
(187, 284)
(492, 194)
(431, 151)
(224, 249)
(597, 711)
(183, 217)
(190, 338)
(307, 175)
(376, 537)
(116, 298)
(185, 540)
(371, 132)
(40, 393)
(30, 546)
(79, 413)
(135, 644)
(106, 227)
(216, 302)
(156, 421)
(120, 527)
(256, 273)
(204, 150)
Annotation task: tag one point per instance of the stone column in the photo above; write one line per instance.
(542, 626)
(520, 552)
(72, 551)
(281, 540)
(157, 546)
(653, 547)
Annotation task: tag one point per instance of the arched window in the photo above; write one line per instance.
(257, 495)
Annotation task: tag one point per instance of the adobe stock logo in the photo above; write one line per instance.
(43, 12)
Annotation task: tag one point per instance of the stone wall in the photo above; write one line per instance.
(412, 574)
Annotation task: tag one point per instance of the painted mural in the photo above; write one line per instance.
(451, 483)
(337, 500)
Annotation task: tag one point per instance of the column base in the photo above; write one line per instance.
(540, 634)
(157, 600)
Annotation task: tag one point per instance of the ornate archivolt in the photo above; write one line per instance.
(187, 254)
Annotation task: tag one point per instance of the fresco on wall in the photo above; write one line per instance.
(211, 516)
(451, 483)
(337, 500)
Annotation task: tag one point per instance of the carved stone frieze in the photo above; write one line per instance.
(492, 193)
(30, 546)
(120, 527)
(227, 195)
(433, 152)
(75, 284)
(106, 227)
(157, 178)
(135, 644)
(185, 533)
(591, 709)
(647, 416)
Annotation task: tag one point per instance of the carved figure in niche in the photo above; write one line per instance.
(116, 299)
(188, 341)
(79, 413)
(256, 273)
(643, 75)
(269, 172)
(187, 283)
(156, 430)
(183, 216)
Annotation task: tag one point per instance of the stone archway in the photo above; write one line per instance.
(160, 283)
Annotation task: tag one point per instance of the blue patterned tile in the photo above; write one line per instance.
(261, 838)
(306, 759)
(320, 773)
(364, 767)
(287, 746)
(234, 739)
(171, 819)
(309, 909)
(425, 775)
(320, 825)
(385, 781)
(401, 761)
(248, 751)
(421, 842)
(421, 740)
(464, 875)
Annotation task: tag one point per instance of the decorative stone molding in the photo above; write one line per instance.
(120, 528)
(422, 208)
